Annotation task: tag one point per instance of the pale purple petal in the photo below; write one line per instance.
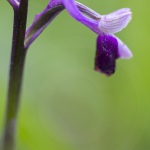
(76, 14)
(120, 11)
(123, 51)
(116, 21)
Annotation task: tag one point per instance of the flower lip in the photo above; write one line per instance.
(106, 54)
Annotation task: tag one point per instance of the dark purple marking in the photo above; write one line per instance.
(106, 54)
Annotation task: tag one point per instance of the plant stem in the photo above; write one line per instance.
(16, 74)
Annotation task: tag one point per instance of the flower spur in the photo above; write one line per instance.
(109, 47)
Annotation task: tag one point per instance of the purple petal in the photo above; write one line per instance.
(41, 21)
(14, 3)
(88, 11)
(123, 51)
(116, 21)
(53, 3)
(84, 9)
(73, 10)
(106, 54)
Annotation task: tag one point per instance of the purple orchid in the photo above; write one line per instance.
(109, 47)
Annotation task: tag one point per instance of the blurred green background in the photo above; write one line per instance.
(66, 105)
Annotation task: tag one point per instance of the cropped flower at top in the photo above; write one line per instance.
(109, 47)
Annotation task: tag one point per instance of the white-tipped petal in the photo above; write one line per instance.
(115, 21)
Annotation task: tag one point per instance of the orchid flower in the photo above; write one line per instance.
(109, 47)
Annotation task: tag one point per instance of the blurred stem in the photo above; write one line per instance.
(18, 54)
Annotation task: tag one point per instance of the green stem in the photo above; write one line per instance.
(16, 74)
